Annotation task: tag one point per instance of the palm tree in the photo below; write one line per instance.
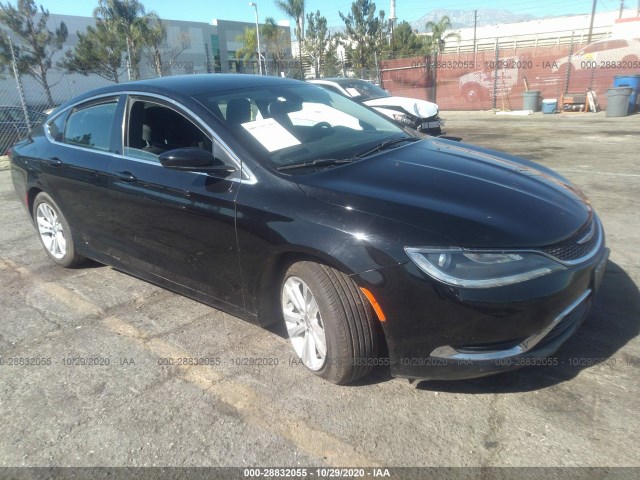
(295, 9)
(131, 21)
(438, 30)
(155, 33)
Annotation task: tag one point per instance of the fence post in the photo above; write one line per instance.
(16, 74)
(434, 84)
(495, 75)
(568, 72)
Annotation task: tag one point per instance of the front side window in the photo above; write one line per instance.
(91, 126)
(153, 128)
(288, 124)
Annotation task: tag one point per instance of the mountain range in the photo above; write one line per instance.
(459, 18)
(465, 18)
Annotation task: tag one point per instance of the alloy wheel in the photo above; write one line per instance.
(51, 230)
(304, 323)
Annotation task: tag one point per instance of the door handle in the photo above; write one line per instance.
(125, 176)
(54, 161)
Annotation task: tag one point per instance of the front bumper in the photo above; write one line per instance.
(431, 126)
(434, 331)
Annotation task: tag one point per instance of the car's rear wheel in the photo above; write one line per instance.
(329, 322)
(54, 232)
(471, 92)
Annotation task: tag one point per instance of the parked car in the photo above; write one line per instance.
(352, 237)
(612, 53)
(420, 115)
(13, 125)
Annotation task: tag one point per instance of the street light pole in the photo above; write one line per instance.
(593, 15)
(255, 6)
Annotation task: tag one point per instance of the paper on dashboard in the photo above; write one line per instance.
(271, 134)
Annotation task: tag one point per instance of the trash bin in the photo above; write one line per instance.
(618, 101)
(531, 100)
(632, 81)
(549, 105)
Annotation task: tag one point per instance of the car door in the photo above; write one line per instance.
(73, 169)
(175, 225)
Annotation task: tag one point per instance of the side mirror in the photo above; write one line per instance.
(193, 159)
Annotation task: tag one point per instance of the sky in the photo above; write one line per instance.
(206, 10)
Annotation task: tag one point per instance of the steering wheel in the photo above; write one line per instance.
(321, 128)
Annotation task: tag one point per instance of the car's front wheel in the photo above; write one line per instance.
(54, 232)
(329, 322)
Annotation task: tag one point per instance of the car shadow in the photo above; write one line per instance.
(613, 321)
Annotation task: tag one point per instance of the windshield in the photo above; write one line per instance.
(288, 124)
(362, 89)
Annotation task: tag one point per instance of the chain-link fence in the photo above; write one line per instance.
(23, 99)
(498, 79)
(456, 81)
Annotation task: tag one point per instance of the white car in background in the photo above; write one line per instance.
(604, 54)
(479, 85)
(417, 114)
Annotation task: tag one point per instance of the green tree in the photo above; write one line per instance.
(132, 22)
(332, 66)
(38, 44)
(439, 36)
(155, 36)
(316, 39)
(295, 9)
(365, 33)
(98, 51)
(249, 44)
(277, 45)
(405, 41)
(275, 42)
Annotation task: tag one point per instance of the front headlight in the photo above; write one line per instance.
(405, 119)
(481, 268)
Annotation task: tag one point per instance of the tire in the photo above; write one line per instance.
(472, 92)
(54, 232)
(333, 308)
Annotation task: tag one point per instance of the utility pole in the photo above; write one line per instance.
(621, 8)
(392, 22)
(475, 28)
(593, 14)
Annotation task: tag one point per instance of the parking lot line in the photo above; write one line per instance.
(248, 403)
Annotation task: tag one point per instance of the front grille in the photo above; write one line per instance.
(570, 250)
(569, 323)
(491, 347)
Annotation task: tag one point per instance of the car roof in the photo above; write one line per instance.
(343, 80)
(181, 86)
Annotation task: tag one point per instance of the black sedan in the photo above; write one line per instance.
(279, 201)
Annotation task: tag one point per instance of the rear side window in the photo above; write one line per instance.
(91, 126)
(56, 127)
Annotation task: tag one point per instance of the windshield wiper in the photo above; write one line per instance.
(324, 162)
(386, 144)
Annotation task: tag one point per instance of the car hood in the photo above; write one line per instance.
(473, 196)
(419, 108)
